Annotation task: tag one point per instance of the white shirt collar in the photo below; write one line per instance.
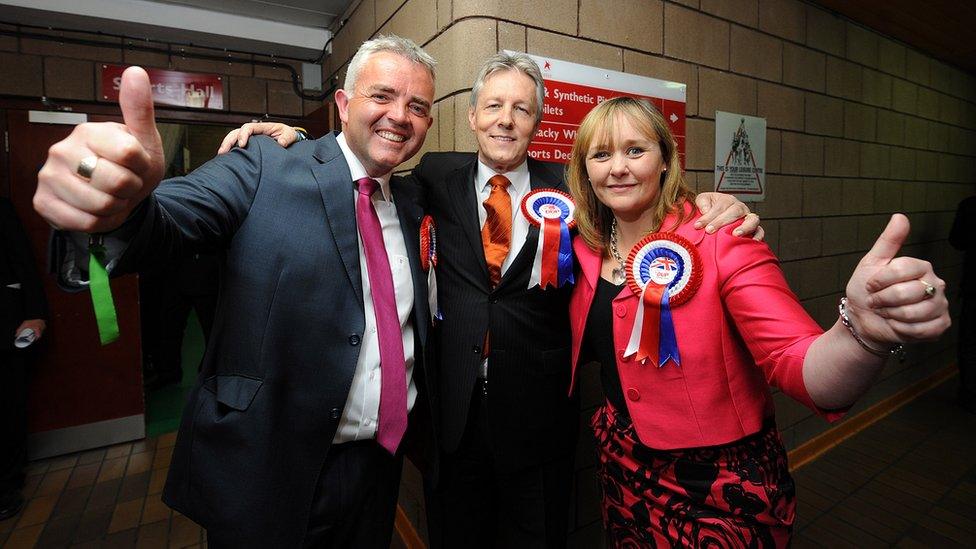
(519, 177)
(357, 170)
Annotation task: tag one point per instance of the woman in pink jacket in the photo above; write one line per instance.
(691, 329)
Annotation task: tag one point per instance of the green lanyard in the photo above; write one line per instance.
(101, 292)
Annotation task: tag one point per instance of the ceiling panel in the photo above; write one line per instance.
(287, 28)
(319, 13)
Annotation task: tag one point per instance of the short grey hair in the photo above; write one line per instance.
(404, 47)
(503, 61)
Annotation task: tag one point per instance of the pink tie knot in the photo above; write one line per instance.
(367, 185)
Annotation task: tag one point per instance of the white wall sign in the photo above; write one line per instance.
(740, 156)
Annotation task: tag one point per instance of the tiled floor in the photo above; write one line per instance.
(907, 481)
(101, 498)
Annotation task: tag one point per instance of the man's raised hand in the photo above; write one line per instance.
(284, 134)
(129, 165)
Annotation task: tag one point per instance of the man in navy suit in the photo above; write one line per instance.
(294, 434)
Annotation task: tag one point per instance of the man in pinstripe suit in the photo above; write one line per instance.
(507, 428)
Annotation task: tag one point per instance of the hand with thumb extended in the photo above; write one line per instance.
(94, 178)
(888, 297)
(139, 116)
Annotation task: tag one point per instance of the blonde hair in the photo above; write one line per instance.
(593, 219)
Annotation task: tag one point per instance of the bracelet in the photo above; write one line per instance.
(897, 350)
(302, 133)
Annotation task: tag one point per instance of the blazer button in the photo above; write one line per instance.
(633, 395)
(620, 310)
(354, 339)
(335, 413)
(476, 350)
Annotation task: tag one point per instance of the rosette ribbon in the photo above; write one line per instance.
(428, 261)
(664, 271)
(653, 334)
(552, 211)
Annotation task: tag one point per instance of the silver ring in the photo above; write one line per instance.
(929, 289)
(87, 166)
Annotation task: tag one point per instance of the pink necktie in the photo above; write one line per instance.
(393, 386)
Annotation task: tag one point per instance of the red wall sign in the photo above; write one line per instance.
(573, 89)
(180, 89)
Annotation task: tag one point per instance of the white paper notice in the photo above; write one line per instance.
(740, 156)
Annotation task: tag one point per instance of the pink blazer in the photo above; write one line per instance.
(741, 332)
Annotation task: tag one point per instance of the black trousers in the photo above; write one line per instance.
(476, 505)
(13, 419)
(356, 497)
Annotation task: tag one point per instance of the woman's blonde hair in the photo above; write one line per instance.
(593, 219)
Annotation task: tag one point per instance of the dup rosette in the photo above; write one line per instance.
(428, 262)
(552, 211)
(664, 271)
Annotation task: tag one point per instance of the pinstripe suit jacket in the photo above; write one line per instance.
(531, 420)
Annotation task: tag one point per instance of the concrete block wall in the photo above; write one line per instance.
(859, 126)
(63, 70)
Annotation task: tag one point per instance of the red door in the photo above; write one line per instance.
(83, 395)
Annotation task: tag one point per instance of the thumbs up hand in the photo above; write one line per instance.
(94, 178)
(888, 297)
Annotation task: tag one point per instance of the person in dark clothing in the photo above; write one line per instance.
(963, 238)
(23, 309)
(167, 298)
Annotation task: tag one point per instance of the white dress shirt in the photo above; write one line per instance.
(360, 414)
(519, 187)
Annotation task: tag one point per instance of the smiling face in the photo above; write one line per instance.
(504, 119)
(386, 117)
(624, 166)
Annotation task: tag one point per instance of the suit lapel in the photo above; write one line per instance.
(465, 201)
(538, 179)
(409, 214)
(335, 187)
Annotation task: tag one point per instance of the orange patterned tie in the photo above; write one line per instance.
(496, 235)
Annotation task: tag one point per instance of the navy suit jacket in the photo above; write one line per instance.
(287, 332)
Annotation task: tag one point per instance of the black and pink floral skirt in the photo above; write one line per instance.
(736, 495)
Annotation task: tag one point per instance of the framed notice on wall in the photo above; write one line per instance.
(573, 89)
(740, 156)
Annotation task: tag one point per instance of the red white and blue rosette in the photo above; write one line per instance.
(664, 270)
(552, 211)
(428, 262)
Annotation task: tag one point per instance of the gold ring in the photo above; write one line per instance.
(929, 289)
(87, 166)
